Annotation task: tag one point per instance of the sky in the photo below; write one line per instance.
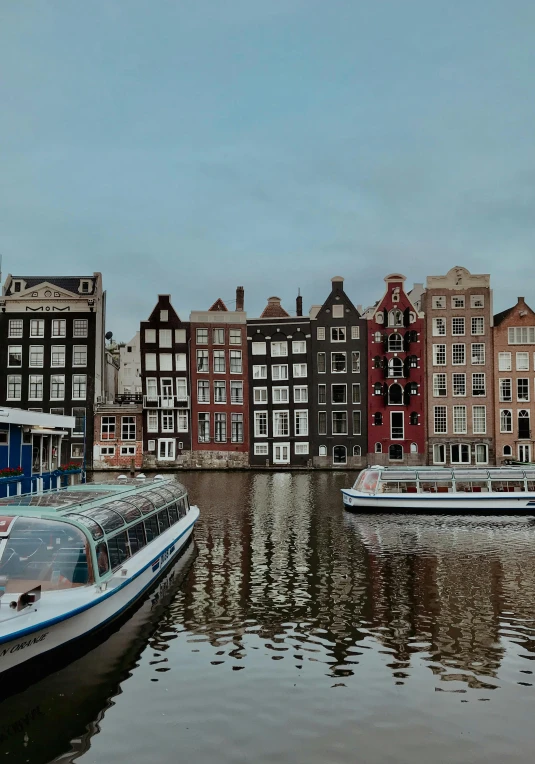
(190, 146)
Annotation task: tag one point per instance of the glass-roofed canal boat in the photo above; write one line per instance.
(73, 559)
(508, 490)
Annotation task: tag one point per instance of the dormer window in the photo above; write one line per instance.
(85, 286)
(18, 286)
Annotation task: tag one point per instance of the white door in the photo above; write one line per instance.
(524, 452)
(166, 449)
(167, 393)
(281, 453)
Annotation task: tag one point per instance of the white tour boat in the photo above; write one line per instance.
(72, 560)
(440, 489)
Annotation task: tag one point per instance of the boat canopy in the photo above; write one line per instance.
(445, 480)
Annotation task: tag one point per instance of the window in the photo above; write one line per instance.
(339, 455)
(59, 327)
(79, 355)
(355, 392)
(299, 369)
(14, 355)
(322, 393)
(152, 388)
(357, 423)
(459, 384)
(523, 424)
(395, 343)
(395, 452)
(300, 394)
(164, 315)
(166, 362)
(236, 391)
(506, 420)
(397, 430)
(281, 453)
(377, 419)
(79, 386)
(79, 421)
(395, 367)
(522, 389)
(166, 338)
(57, 411)
(77, 450)
(355, 332)
(322, 364)
(339, 393)
(457, 326)
(58, 356)
(479, 385)
(279, 348)
(478, 354)
(150, 335)
(482, 453)
(301, 423)
(180, 336)
(459, 420)
(128, 427)
(522, 361)
(280, 394)
(235, 362)
(479, 420)
(395, 394)
(395, 318)
(166, 449)
(299, 346)
(219, 361)
(79, 327)
(279, 371)
(152, 421)
(320, 333)
(477, 301)
(107, 450)
(301, 449)
(260, 395)
(378, 389)
(260, 424)
(180, 362)
(57, 387)
(202, 361)
(338, 311)
(220, 428)
(439, 327)
(220, 392)
(203, 427)
(438, 302)
(259, 348)
(203, 391)
(202, 336)
(460, 453)
(457, 301)
(37, 327)
(35, 387)
(439, 453)
(234, 337)
(478, 325)
(521, 335)
(440, 417)
(338, 363)
(182, 422)
(322, 423)
(261, 449)
(150, 362)
(440, 389)
(181, 389)
(378, 448)
(414, 418)
(439, 355)
(458, 355)
(505, 389)
(128, 450)
(218, 336)
(15, 327)
(338, 334)
(507, 451)
(355, 362)
(236, 423)
(281, 424)
(339, 422)
(259, 372)
(322, 451)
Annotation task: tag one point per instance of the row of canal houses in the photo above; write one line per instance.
(426, 376)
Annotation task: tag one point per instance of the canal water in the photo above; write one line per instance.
(292, 631)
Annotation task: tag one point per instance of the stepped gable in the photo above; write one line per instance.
(218, 305)
(274, 309)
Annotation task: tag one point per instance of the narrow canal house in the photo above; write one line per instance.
(396, 378)
(514, 385)
(460, 368)
(219, 385)
(339, 385)
(52, 351)
(166, 393)
(118, 440)
(279, 361)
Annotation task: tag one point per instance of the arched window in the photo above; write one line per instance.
(395, 452)
(414, 417)
(506, 420)
(523, 424)
(395, 393)
(356, 451)
(395, 343)
(377, 389)
(322, 451)
(507, 450)
(413, 361)
(414, 448)
(395, 318)
(378, 448)
(378, 337)
(377, 362)
(339, 455)
(378, 418)
(395, 367)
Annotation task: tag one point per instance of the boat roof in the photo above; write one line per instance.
(459, 473)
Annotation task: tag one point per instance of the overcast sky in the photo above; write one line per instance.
(188, 146)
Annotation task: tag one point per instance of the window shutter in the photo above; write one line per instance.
(407, 317)
(407, 394)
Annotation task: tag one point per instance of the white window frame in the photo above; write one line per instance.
(301, 414)
(280, 395)
(300, 370)
(261, 417)
(299, 346)
(170, 449)
(259, 348)
(282, 371)
(281, 415)
(259, 371)
(476, 321)
(261, 449)
(279, 349)
(300, 393)
(262, 394)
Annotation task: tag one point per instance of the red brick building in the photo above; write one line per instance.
(219, 385)
(118, 441)
(396, 377)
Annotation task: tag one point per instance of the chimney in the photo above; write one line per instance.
(338, 282)
(299, 305)
(240, 296)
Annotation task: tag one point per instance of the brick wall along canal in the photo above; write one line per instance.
(298, 633)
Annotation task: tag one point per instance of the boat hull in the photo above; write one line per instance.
(42, 630)
(474, 504)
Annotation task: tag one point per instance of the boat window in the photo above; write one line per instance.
(105, 517)
(127, 510)
(136, 538)
(157, 498)
(142, 502)
(118, 549)
(93, 527)
(173, 513)
(369, 481)
(163, 520)
(507, 486)
(151, 528)
(182, 506)
(103, 559)
(44, 553)
(531, 486)
(163, 490)
(436, 486)
(397, 486)
(471, 486)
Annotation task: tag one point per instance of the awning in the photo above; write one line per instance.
(49, 432)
